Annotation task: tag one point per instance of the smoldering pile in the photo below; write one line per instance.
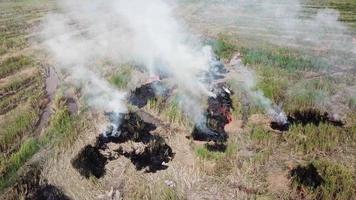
(218, 114)
(216, 70)
(151, 90)
(129, 136)
(305, 117)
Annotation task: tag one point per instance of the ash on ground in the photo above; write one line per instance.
(305, 117)
(149, 91)
(131, 138)
(218, 115)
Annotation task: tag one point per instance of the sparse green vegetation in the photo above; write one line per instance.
(224, 48)
(282, 58)
(205, 153)
(17, 124)
(273, 82)
(170, 110)
(337, 181)
(174, 113)
(312, 138)
(122, 77)
(345, 7)
(63, 128)
(309, 94)
(12, 64)
(260, 136)
(18, 84)
(10, 167)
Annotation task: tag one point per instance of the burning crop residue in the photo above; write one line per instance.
(149, 91)
(217, 116)
(313, 117)
(132, 139)
(306, 117)
(152, 156)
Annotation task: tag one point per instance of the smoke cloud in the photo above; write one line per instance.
(83, 33)
(244, 80)
(288, 23)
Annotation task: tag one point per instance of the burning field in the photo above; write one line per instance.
(177, 100)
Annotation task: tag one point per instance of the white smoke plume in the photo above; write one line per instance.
(288, 23)
(84, 32)
(245, 81)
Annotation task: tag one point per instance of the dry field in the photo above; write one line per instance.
(45, 124)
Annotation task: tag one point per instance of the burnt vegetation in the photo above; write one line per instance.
(90, 162)
(31, 186)
(307, 117)
(149, 91)
(152, 154)
(307, 176)
(218, 115)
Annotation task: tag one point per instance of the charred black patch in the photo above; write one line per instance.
(30, 187)
(306, 117)
(149, 91)
(153, 157)
(90, 162)
(131, 127)
(307, 176)
(280, 126)
(201, 133)
(312, 116)
(149, 152)
(48, 192)
(218, 147)
(218, 114)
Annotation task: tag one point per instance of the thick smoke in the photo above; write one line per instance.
(82, 34)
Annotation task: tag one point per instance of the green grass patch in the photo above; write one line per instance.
(16, 124)
(309, 94)
(174, 113)
(347, 9)
(273, 82)
(8, 173)
(62, 129)
(12, 64)
(310, 138)
(260, 135)
(280, 57)
(337, 181)
(205, 153)
(224, 47)
(122, 77)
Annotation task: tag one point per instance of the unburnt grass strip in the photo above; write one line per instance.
(12, 64)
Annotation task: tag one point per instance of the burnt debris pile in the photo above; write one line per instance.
(131, 138)
(149, 91)
(151, 156)
(30, 187)
(90, 162)
(307, 176)
(306, 117)
(312, 116)
(218, 114)
(280, 126)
